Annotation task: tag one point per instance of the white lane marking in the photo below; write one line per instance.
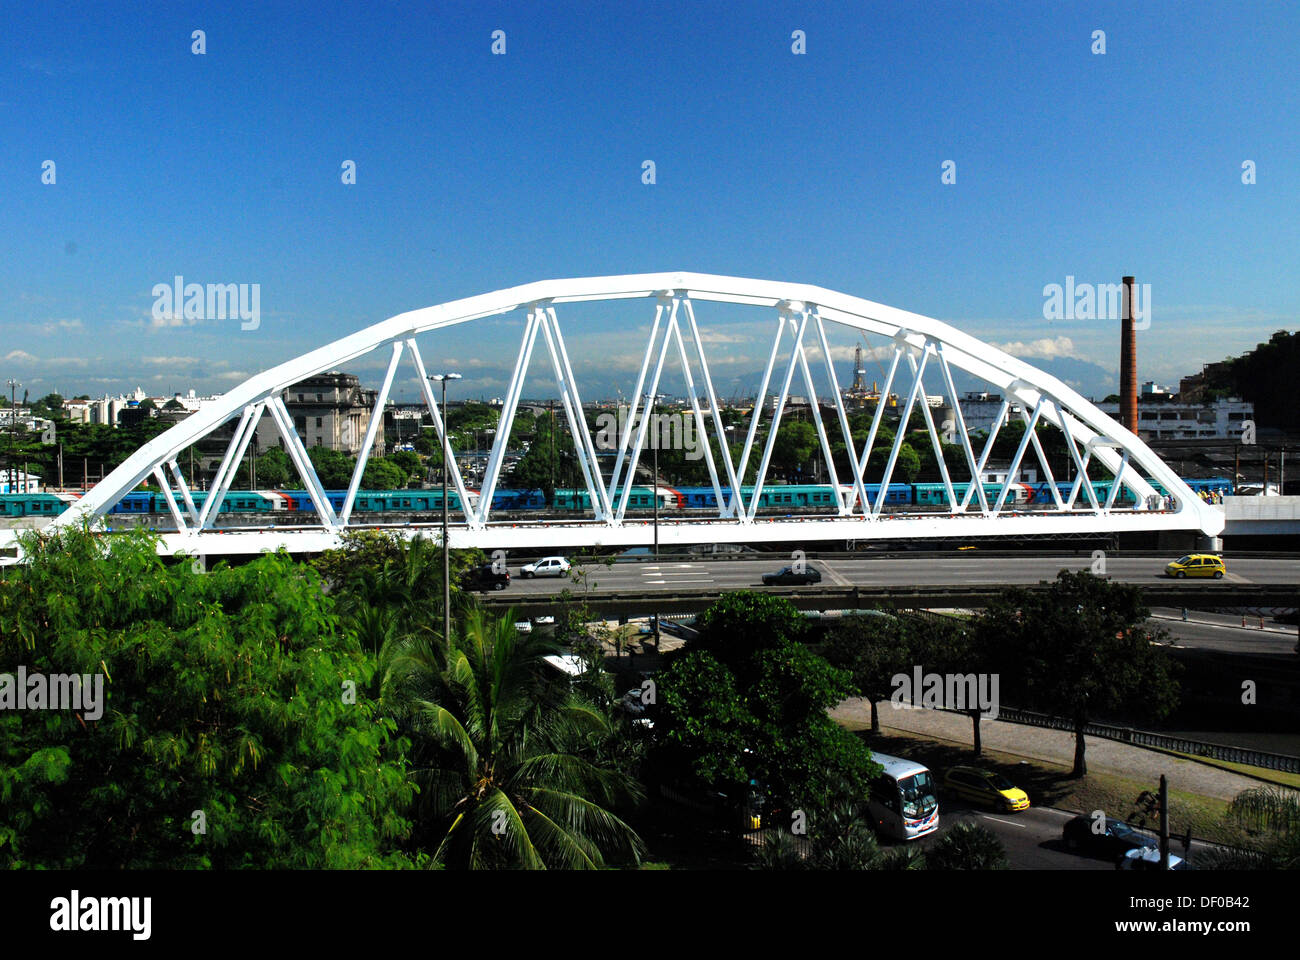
(834, 574)
(678, 581)
(1007, 822)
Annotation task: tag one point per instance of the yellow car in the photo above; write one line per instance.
(1197, 565)
(985, 787)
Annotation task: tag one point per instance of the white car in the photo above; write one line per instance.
(1148, 858)
(546, 567)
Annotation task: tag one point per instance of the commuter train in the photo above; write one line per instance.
(774, 497)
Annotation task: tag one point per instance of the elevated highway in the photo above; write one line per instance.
(944, 580)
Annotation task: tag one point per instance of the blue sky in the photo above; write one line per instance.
(476, 172)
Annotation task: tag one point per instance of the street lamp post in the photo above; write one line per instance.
(13, 434)
(654, 492)
(442, 378)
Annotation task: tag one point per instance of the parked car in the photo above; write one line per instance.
(1117, 839)
(487, 577)
(791, 576)
(546, 567)
(1197, 565)
(985, 787)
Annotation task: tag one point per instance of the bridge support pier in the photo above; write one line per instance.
(1206, 544)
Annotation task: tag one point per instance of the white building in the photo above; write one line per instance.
(1174, 420)
(108, 410)
(979, 410)
(998, 474)
(20, 483)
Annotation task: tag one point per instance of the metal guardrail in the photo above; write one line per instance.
(1145, 738)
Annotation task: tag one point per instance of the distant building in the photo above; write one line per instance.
(980, 408)
(18, 482)
(998, 474)
(328, 410)
(1195, 388)
(1161, 417)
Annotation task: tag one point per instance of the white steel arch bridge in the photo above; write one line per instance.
(916, 347)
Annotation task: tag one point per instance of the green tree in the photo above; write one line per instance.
(1082, 650)
(510, 785)
(224, 693)
(383, 474)
(748, 701)
(387, 586)
(275, 471)
(792, 453)
(334, 467)
(907, 466)
(49, 406)
(549, 463)
(874, 649)
(410, 465)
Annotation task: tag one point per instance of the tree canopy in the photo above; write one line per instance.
(234, 732)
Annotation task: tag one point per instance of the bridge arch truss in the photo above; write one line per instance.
(916, 347)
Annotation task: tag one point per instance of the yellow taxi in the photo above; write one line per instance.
(985, 787)
(1197, 565)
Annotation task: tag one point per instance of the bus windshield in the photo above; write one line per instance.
(918, 795)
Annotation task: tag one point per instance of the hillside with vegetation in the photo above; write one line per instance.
(1266, 377)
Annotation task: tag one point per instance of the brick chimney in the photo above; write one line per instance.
(1128, 385)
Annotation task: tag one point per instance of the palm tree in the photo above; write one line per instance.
(1271, 815)
(507, 769)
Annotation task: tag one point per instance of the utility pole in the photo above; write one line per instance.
(442, 378)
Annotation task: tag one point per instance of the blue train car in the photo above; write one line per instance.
(139, 502)
(935, 494)
(898, 494)
(518, 500)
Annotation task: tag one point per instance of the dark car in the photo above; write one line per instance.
(486, 577)
(1117, 840)
(791, 576)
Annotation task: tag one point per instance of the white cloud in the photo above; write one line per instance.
(169, 361)
(1048, 348)
(20, 355)
(54, 326)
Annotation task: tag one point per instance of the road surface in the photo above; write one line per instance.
(935, 570)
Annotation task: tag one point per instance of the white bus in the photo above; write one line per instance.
(904, 802)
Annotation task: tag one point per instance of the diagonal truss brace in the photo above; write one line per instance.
(439, 426)
(298, 454)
